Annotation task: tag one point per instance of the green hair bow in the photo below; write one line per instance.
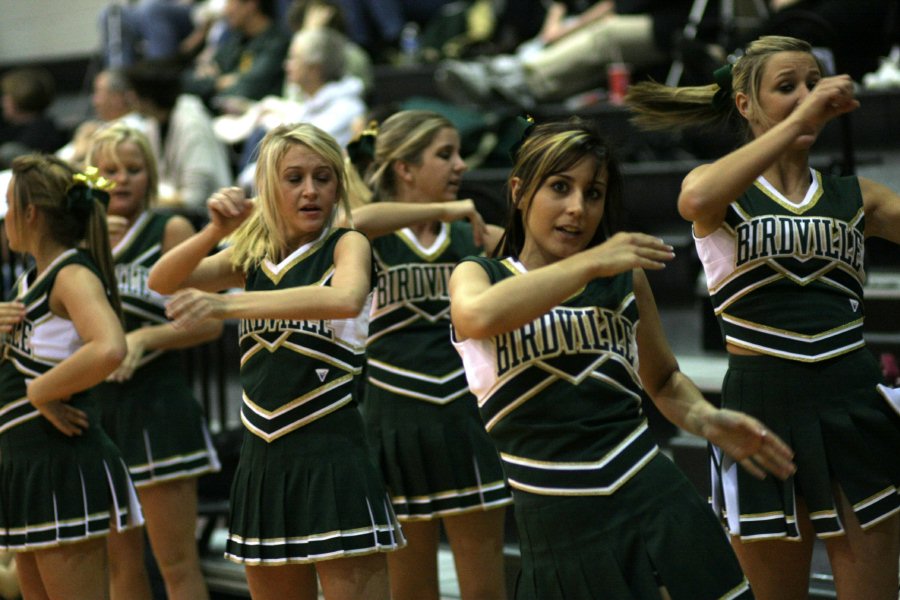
(85, 188)
(722, 98)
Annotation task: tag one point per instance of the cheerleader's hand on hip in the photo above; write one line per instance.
(188, 307)
(750, 443)
(65, 417)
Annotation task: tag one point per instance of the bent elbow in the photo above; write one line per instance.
(159, 285)
(690, 204)
(471, 324)
(351, 306)
(112, 353)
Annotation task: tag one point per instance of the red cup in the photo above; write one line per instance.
(618, 78)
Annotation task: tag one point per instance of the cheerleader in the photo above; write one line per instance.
(147, 406)
(305, 499)
(560, 336)
(63, 484)
(423, 424)
(782, 246)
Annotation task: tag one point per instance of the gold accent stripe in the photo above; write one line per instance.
(298, 401)
(283, 268)
(579, 465)
(435, 379)
(601, 491)
(427, 254)
(522, 399)
(475, 489)
(787, 204)
(791, 355)
(800, 337)
(296, 424)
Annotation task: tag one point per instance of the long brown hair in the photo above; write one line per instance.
(75, 216)
(552, 148)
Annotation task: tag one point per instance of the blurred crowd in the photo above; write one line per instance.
(206, 79)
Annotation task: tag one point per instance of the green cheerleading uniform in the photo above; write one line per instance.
(423, 423)
(786, 281)
(54, 489)
(305, 489)
(601, 512)
(153, 418)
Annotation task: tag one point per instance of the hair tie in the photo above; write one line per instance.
(85, 188)
(526, 124)
(722, 98)
(363, 147)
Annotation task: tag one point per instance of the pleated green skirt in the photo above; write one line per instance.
(845, 436)
(310, 495)
(437, 459)
(56, 489)
(157, 424)
(655, 531)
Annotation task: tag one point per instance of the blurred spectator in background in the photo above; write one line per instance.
(329, 99)
(515, 21)
(314, 14)
(193, 162)
(571, 53)
(247, 62)
(149, 29)
(210, 29)
(376, 24)
(113, 99)
(26, 126)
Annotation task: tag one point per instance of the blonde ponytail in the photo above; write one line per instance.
(662, 107)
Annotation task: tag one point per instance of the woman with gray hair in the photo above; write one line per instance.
(328, 98)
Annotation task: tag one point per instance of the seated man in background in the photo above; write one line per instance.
(113, 99)
(314, 14)
(193, 163)
(329, 99)
(247, 63)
